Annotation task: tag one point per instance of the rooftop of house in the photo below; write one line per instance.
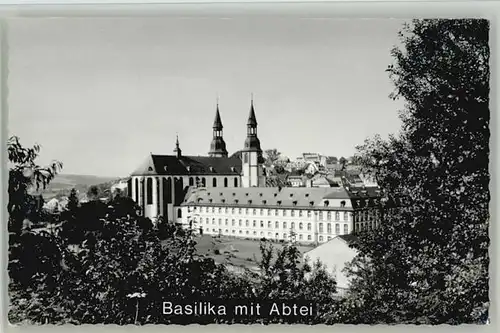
(331, 160)
(349, 239)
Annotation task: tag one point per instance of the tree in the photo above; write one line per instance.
(271, 156)
(343, 162)
(428, 262)
(277, 180)
(355, 160)
(283, 276)
(93, 192)
(274, 159)
(73, 201)
(25, 174)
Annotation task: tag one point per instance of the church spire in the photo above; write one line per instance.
(252, 142)
(177, 149)
(252, 121)
(217, 146)
(217, 121)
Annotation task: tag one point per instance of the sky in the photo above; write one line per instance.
(100, 94)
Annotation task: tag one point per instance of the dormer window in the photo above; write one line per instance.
(246, 194)
(327, 203)
(208, 193)
(188, 168)
(295, 203)
(200, 199)
(275, 195)
(291, 195)
(165, 168)
(342, 203)
(223, 200)
(260, 194)
(211, 169)
(210, 200)
(150, 169)
(221, 194)
(233, 169)
(279, 202)
(264, 202)
(236, 201)
(249, 202)
(307, 194)
(311, 203)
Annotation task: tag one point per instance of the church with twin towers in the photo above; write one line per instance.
(162, 182)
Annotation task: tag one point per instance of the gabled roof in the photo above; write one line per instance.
(324, 180)
(271, 197)
(331, 160)
(189, 165)
(349, 239)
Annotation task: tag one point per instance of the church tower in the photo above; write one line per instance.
(217, 146)
(253, 171)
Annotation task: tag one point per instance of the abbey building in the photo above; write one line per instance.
(227, 196)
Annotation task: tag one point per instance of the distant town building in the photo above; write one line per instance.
(296, 165)
(296, 179)
(53, 206)
(311, 169)
(368, 180)
(121, 185)
(316, 158)
(321, 180)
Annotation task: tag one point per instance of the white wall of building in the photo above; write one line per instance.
(310, 226)
(334, 255)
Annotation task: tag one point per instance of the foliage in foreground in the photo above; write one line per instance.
(428, 263)
(122, 272)
(105, 264)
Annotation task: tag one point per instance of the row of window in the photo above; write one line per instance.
(365, 226)
(366, 215)
(192, 181)
(284, 236)
(271, 212)
(301, 225)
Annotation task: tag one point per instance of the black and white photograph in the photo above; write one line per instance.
(248, 170)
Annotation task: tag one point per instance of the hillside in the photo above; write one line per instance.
(63, 183)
